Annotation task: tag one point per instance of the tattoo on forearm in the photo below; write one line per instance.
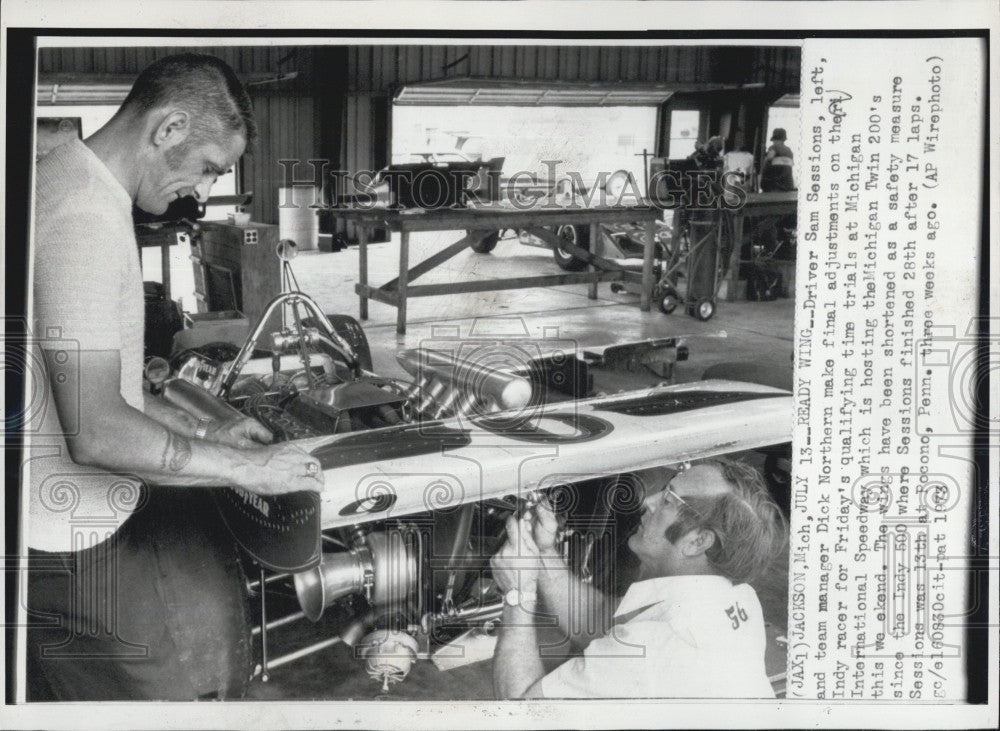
(176, 453)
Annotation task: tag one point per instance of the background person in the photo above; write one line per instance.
(771, 233)
(709, 155)
(776, 170)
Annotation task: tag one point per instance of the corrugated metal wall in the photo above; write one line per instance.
(382, 68)
(132, 60)
(288, 131)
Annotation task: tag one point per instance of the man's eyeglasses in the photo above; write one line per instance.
(669, 492)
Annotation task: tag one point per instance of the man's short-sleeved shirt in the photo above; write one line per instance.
(777, 172)
(690, 637)
(86, 296)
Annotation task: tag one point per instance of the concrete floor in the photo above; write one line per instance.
(760, 332)
(749, 332)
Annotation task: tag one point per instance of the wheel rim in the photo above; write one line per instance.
(566, 233)
(669, 300)
(705, 309)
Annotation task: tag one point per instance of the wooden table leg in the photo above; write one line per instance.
(646, 295)
(404, 277)
(597, 247)
(363, 268)
(165, 268)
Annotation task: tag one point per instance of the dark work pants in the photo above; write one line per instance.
(157, 611)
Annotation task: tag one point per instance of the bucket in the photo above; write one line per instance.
(299, 222)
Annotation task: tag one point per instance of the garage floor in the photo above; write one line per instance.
(748, 332)
(761, 331)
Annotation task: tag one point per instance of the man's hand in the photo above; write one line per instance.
(243, 433)
(545, 529)
(560, 589)
(516, 565)
(238, 431)
(517, 666)
(279, 468)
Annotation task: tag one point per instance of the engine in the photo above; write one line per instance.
(405, 587)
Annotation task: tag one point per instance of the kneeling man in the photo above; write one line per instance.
(689, 627)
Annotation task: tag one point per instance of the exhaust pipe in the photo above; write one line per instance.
(486, 384)
(198, 401)
(383, 567)
(338, 575)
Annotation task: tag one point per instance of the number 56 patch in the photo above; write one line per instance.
(736, 614)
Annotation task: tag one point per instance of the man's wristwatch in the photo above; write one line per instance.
(516, 597)
(202, 429)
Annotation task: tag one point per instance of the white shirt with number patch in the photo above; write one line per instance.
(693, 637)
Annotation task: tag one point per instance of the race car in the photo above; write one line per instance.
(422, 473)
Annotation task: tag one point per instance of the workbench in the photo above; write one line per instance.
(479, 222)
(757, 205)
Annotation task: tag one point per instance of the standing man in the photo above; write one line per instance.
(771, 232)
(776, 170)
(689, 627)
(133, 592)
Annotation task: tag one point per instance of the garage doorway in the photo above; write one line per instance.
(588, 140)
(684, 127)
(785, 113)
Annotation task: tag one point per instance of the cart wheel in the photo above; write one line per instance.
(578, 235)
(668, 300)
(704, 310)
(486, 244)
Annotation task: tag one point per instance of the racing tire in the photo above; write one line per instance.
(486, 244)
(578, 235)
(350, 329)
